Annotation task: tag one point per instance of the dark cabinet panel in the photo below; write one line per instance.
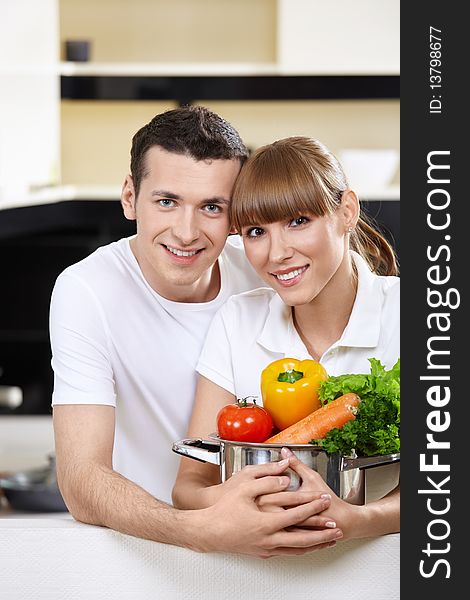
(36, 244)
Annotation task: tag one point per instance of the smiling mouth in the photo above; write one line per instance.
(182, 253)
(289, 276)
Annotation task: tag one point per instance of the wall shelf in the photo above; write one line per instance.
(188, 88)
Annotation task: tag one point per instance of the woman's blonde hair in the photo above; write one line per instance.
(297, 176)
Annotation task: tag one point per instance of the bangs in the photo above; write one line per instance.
(277, 184)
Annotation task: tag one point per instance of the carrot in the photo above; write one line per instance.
(317, 424)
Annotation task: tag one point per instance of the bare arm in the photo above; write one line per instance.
(96, 494)
(191, 489)
(93, 491)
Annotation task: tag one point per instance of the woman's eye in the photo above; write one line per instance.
(299, 221)
(254, 232)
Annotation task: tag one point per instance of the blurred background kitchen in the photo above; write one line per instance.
(79, 77)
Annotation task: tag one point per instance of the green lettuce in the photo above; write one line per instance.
(376, 428)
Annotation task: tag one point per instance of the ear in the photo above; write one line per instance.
(350, 208)
(128, 198)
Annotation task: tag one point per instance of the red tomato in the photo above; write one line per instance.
(244, 422)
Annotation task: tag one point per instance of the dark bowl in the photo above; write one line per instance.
(35, 490)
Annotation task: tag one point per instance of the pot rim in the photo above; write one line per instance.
(350, 461)
(215, 437)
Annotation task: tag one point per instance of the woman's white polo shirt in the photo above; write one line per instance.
(255, 328)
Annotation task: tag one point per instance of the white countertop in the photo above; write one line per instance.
(60, 193)
(53, 557)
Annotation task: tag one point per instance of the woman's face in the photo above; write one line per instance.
(298, 258)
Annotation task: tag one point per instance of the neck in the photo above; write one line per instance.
(321, 322)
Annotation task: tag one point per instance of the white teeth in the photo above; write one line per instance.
(181, 252)
(291, 275)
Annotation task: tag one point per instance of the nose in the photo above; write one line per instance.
(186, 229)
(279, 248)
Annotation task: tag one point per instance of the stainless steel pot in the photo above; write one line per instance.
(343, 474)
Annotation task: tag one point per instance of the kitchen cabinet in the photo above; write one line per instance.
(29, 98)
(290, 37)
(292, 49)
(330, 70)
(36, 243)
(339, 37)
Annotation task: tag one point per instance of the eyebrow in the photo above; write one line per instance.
(173, 196)
(166, 194)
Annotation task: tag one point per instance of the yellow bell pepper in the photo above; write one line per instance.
(289, 389)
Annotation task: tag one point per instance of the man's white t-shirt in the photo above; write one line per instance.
(116, 342)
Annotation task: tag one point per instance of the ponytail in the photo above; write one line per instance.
(374, 248)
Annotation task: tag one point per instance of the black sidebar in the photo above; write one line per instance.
(434, 237)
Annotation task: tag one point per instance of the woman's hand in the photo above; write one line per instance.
(376, 518)
(344, 515)
(338, 514)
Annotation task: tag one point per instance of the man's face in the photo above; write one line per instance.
(182, 222)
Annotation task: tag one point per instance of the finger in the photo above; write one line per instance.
(304, 471)
(265, 485)
(298, 514)
(300, 551)
(263, 470)
(286, 499)
(304, 538)
(318, 522)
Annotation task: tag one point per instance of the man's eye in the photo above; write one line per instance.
(212, 208)
(166, 202)
(299, 221)
(254, 232)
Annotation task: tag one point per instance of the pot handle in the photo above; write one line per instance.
(363, 462)
(203, 450)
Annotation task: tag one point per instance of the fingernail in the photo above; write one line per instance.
(286, 452)
(330, 524)
(339, 534)
(326, 496)
(284, 481)
(284, 463)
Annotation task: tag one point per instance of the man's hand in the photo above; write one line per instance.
(237, 524)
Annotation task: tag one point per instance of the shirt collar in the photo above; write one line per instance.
(362, 330)
(275, 333)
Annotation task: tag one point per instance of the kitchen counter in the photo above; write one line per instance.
(53, 557)
(50, 556)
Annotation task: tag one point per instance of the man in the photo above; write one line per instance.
(127, 324)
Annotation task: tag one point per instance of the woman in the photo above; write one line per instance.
(333, 296)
